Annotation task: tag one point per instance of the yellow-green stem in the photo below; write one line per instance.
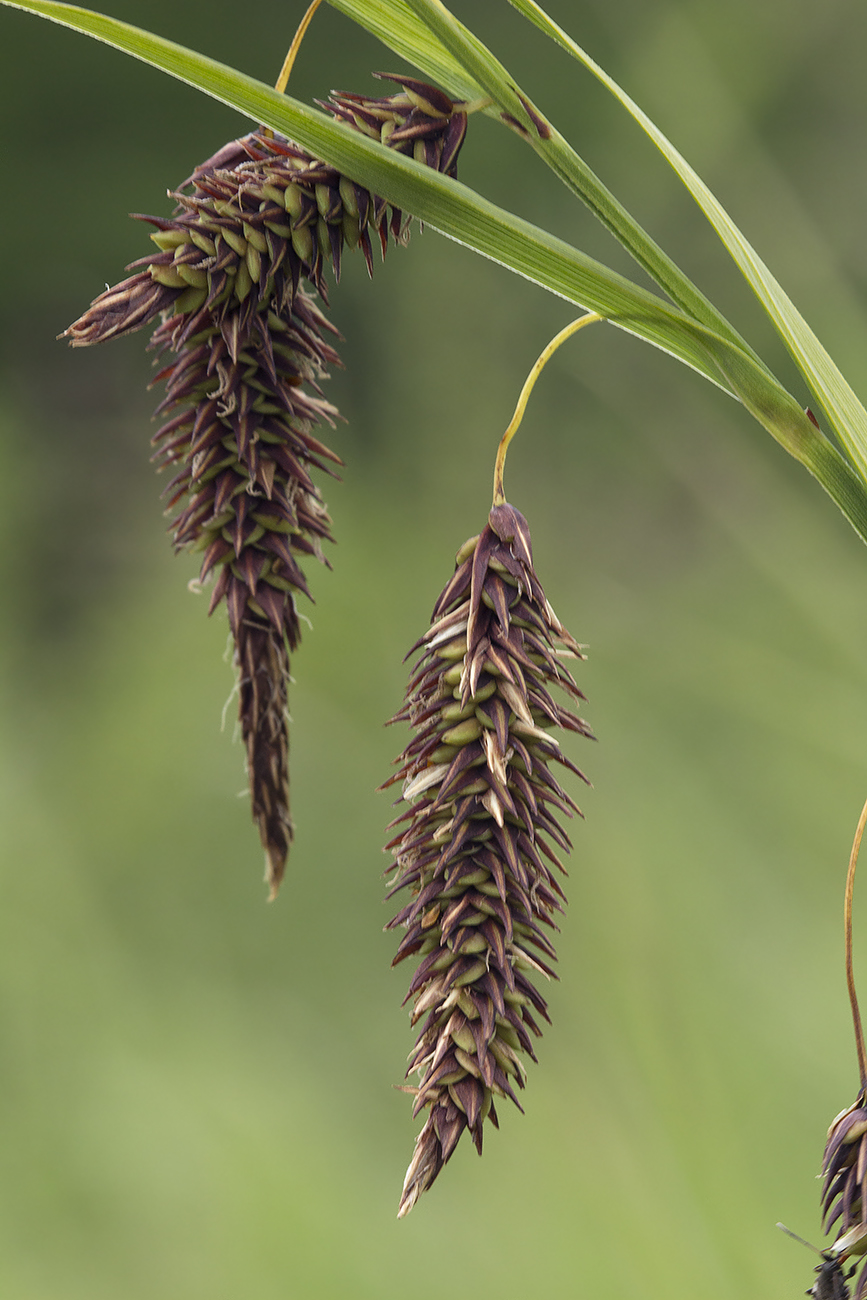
(589, 318)
(283, 80)
(847, 930)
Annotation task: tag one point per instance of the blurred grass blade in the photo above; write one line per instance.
(456, 211)
(845, 413)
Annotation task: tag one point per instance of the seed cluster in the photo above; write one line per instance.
(246, 353)
(475, 845)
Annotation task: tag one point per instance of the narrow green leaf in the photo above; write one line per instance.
(458, 212)
(439, 38)
(448, 206)
(394, 24)
(442, 46)
(440, 34)
(845, 412)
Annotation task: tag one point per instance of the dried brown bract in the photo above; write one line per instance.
(477, 848)
(245, 348)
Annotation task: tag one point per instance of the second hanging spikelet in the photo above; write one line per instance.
(243, 340)
(475, 849)
(844, 1190)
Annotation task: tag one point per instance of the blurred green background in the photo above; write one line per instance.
(197, 1088)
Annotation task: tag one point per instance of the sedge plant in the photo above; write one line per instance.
(232, 292)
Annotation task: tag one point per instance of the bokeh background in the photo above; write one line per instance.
(197, 1088)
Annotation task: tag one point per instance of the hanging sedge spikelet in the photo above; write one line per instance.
(475, 845)
(247, 351)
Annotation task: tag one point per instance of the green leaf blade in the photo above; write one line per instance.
(486, 72)
(397, 27)
(447, 205)
(459, 213)
(845, 412)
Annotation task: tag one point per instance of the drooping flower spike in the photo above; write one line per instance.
(478, 846)
(245, 351)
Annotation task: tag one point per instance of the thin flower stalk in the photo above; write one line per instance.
(478, 845)
(244, 351)
(844, 1162)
